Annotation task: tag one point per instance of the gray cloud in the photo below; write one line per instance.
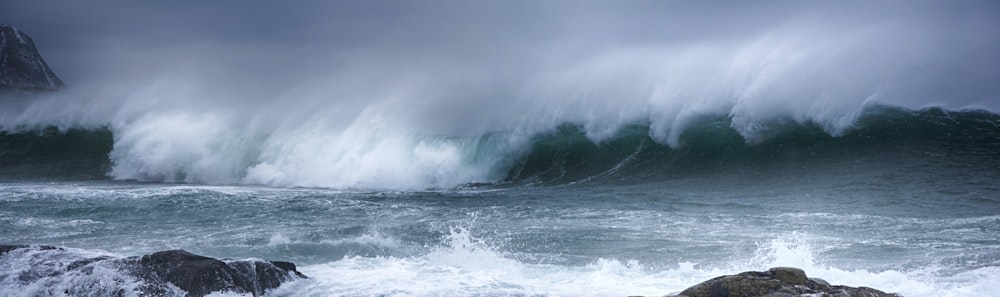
(489, 50)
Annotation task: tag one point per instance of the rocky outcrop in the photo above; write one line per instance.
(200, 275)
(157, 274)
(775, 282)
(22, 69)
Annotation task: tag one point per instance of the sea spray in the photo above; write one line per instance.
(387, 124)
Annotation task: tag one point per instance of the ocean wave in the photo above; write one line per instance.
(361, 158)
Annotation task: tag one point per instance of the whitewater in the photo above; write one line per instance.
(902, 200)
(863, 149)
(648, 239)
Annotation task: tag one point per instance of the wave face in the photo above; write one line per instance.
(74, 153)
(882, 138)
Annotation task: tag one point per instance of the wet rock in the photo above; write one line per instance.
(776, 282)
(790, 275)
(166, 273)
(200, 275)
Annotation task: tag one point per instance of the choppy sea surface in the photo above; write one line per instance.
(908, 202)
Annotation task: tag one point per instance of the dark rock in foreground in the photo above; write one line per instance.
(22, 69)
(200, 275)
(157, 274)
(775, 282)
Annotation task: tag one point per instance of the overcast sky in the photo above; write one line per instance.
(495, 48)
(295, 34)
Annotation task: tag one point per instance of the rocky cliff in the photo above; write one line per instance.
(21, 66)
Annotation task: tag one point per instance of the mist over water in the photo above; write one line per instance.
(417, 101)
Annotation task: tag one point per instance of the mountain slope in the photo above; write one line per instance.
(21, 66)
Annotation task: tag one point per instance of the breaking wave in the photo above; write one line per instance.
(198, 150)
(801, 90)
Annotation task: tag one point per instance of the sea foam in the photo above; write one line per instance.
(466, 266)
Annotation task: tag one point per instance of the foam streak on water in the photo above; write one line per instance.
(578, 240)
(464, 267)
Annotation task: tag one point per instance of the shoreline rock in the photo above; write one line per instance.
(157, 274)
(775, 282)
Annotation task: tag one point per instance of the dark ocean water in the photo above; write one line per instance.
(904, 201)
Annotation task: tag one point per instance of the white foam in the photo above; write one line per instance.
(464, 265)
(372, 238)
(368, 154)
(48, 223)
(467, 266)
(36, 272)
